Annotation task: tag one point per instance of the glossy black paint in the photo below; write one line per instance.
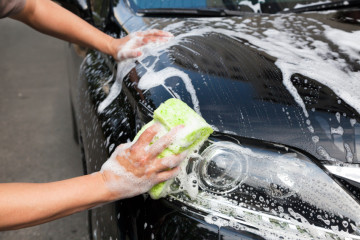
(243, 91)
(78, 7)
(258, 115)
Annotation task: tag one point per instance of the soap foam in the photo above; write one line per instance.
(299, 5)
(255, 7)
(124, 68)
(152, 79)
(173, 160)
(126, 64)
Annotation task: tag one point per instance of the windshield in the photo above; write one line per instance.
(257, 6)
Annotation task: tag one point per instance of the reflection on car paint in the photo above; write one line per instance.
(299, 5)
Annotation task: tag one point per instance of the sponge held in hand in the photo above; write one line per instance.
(170, 114)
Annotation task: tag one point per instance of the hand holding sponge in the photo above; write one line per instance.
(170, 114)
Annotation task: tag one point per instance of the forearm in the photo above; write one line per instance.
(28, 204)
(49, 18)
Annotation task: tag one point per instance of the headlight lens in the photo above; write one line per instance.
(222, 169)
(268, 190)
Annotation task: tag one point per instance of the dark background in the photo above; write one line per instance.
(36, 142)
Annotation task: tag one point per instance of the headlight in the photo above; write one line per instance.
(222, 169)
(273, 191)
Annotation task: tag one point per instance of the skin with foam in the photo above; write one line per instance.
(127, 178)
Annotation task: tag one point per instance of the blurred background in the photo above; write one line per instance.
(36, 139)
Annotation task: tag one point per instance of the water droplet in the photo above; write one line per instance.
(345, 224)
(315, 139)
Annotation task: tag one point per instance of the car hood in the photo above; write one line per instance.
(291, 79)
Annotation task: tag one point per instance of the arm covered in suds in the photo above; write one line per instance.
(50, 18)
(131, 170)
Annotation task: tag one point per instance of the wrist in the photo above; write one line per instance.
(111, 47)
(105, 194)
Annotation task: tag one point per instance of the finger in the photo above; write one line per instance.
(154, 39)
(155, 32)
(129, 54)
(121, 148)
(171, 161)
(166, 163)
(140, 42)
(163, 176)
(160, 33)
(146, 137)
(131, 41)
(164, 141)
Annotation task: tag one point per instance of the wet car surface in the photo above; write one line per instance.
(279, 83)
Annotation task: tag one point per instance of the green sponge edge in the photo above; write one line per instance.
(170, 114)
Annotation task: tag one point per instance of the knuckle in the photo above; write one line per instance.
(142, 159)
(132, 149)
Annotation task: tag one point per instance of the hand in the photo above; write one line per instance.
(129, 46)
(134, 168)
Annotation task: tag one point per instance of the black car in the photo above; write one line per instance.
(278, 80)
